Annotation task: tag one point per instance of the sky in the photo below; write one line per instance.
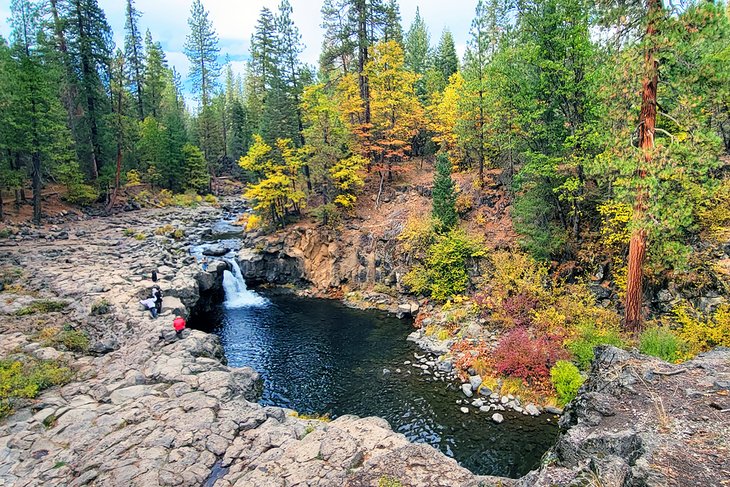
(234, 21)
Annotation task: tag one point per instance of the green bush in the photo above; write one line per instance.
(588, 337)
(328, 215)
(81, 194)
(42, 306)
(662, 343)
(387, 481)
(26, 378)
(444, 273)
(567, 380)
(101, 307)
(74, 340)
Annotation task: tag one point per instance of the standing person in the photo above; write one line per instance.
(205, 264)
(154, 276)
(179, 325)
(157, 294)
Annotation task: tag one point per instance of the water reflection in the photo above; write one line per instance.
(320, 357)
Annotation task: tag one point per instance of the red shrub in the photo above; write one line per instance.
(519, 308)
(520, 355)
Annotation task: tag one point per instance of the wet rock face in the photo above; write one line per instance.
(270, 266)
(320, 258)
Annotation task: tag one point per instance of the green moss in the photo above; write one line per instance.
(23, 377)
(101, 307)
(42, 306)
(388, 481)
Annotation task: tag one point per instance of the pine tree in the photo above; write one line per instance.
(263, 68)
(10, 177)
(417, 48)
(89, 42)
(135, 56)
(121, 123)
(154, 76)
(201, 48)
(444, 194)
(36, 116)
(487, 32)
(392, 30)
(196, 175)
(445, 62)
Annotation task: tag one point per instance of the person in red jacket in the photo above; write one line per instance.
(179, 325)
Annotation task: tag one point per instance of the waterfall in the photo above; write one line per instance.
(237, 295)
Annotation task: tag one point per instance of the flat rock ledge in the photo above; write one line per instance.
(151, 410)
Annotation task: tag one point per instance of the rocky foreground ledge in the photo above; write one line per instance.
(146, 411)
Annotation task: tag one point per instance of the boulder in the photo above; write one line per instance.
(497, 418)
(467, 390)
(174, 305)
(216, 251)
(103, 346)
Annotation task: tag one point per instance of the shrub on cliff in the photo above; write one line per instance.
(662, 343)
(519, 354)
(444, 272)
(704, 332)
(566, 380)
(588, 336)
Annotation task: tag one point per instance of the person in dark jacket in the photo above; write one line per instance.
(157, 294)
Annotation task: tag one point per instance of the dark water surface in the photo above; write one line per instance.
(320, 357)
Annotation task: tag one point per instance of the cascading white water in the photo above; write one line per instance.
(237, 295)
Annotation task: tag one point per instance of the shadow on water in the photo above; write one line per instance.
(320, 357)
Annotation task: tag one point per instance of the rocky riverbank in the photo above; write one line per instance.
(148, 411)
(144, 410)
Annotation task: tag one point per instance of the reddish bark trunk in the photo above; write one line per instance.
(647, 123)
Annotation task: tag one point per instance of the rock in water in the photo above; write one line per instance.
(464, 410)
(216, 251)
(466, 389)
(532, 410)
(497, 418)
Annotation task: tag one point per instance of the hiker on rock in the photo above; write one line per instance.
(157, 294)
(179, 325)
(149, 305)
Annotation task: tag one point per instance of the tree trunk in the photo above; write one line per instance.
(117, 176)
(647, 122)
(2, 214)
(36, 187)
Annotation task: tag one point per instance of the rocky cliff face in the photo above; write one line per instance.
(322, 258)
(639, 421)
